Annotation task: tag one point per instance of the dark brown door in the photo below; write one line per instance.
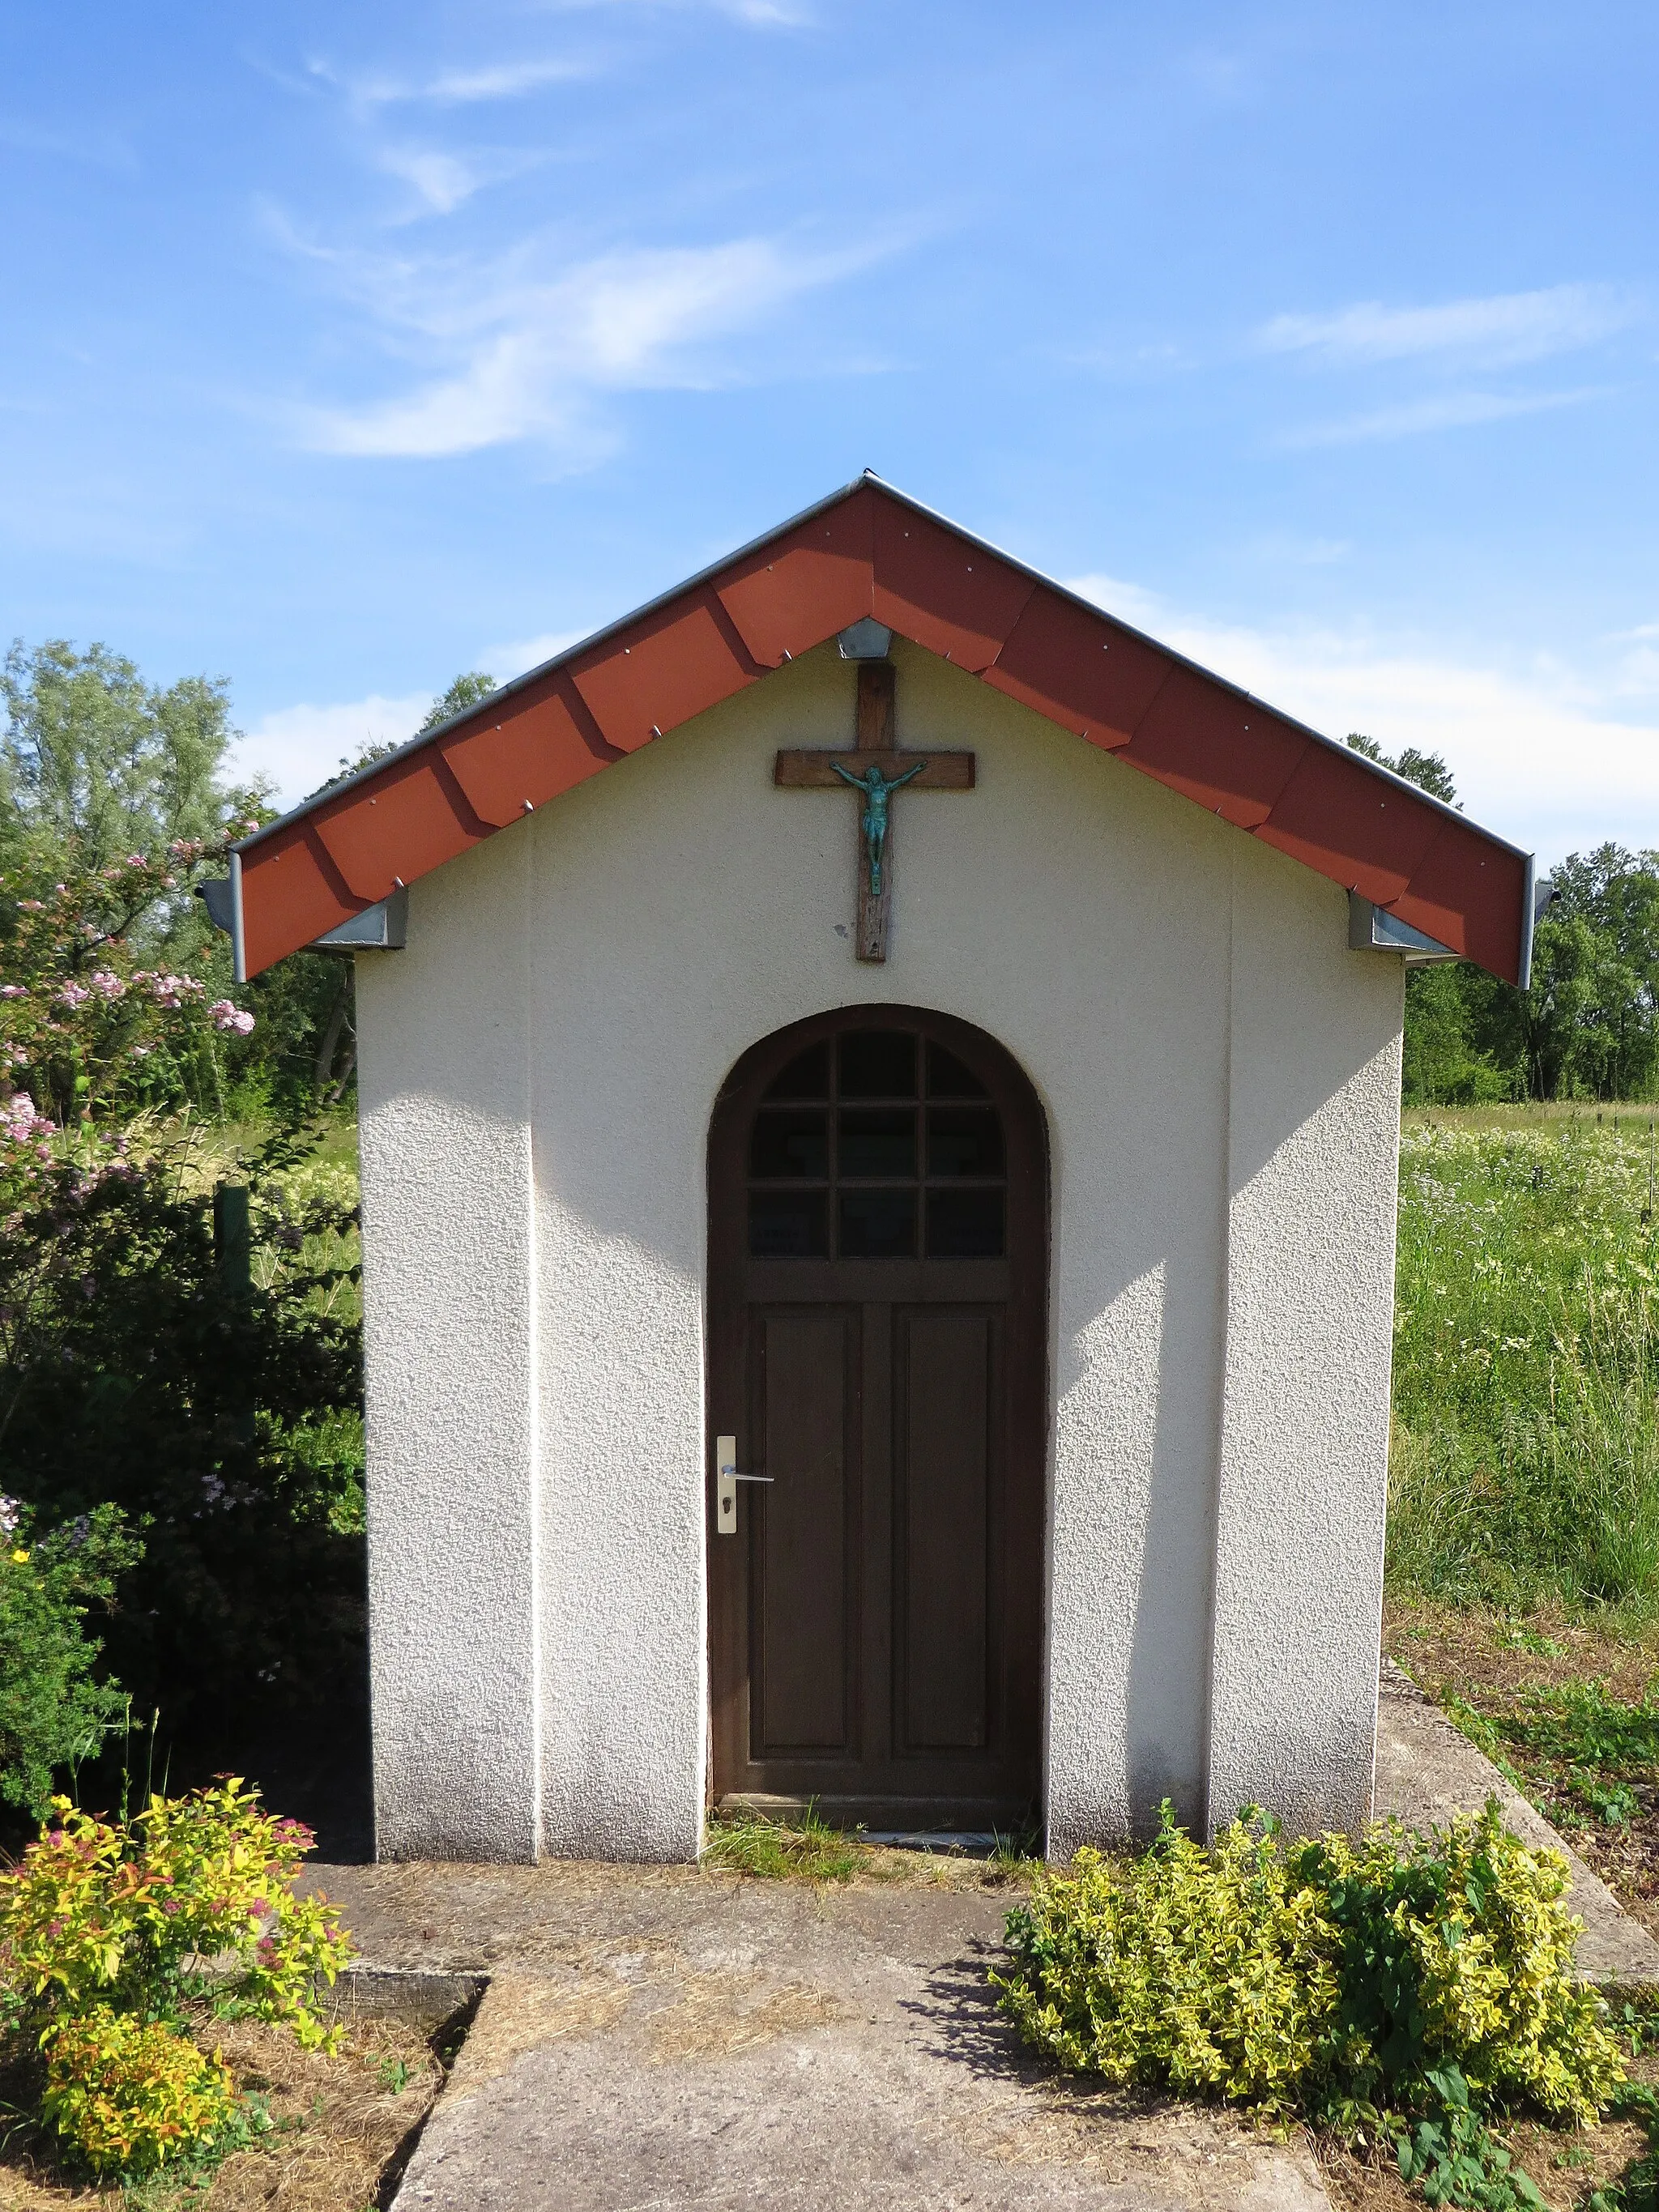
(878, 1267)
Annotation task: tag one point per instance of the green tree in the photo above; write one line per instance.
(465, 691)
(222, 1419)
(1588, 1026)
(1428, 771)
(92, 756)
(1443, 1064)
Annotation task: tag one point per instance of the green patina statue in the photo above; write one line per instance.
(878, 789)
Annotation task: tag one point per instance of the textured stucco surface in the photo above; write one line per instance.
(538, 1069)
(1313, 1151)
(449, 1313)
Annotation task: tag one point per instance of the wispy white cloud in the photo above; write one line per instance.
(1288, 549)
(529, 354)
(1539, 752)
(298, 748)
(1441, 410)
(783, 12)
(765, 15)
(1504, 328)
(509, 80)
(501, 80)
(511, 659)
(443, 181)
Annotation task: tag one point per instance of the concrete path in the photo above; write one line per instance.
(657, 2037)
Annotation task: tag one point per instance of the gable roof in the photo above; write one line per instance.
(868, 549)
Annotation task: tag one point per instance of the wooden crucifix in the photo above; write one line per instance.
(874, 770)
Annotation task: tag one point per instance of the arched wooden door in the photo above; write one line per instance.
(878, 1278)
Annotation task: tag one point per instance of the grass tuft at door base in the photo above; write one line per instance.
(1403, 1989)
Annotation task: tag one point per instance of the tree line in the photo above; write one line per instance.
(1587, 1024)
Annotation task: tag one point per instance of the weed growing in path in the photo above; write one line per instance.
(807, 1848)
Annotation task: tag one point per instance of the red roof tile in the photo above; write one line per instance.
(869, 550)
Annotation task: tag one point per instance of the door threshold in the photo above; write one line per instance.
(947, 1843)
(906, 1823)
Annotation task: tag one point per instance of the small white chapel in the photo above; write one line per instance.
(879, 1108)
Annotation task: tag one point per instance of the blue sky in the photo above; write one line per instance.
(346, 348)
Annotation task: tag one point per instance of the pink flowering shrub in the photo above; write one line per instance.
(212, 1404)
(88, 1030)
(89, 1036)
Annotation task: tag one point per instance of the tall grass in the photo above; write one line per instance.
(1525, 1461)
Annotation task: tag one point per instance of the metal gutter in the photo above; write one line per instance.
(1528, 923)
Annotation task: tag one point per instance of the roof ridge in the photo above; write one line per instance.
(1003, 620)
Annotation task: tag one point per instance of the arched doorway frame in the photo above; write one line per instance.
(887, 1782)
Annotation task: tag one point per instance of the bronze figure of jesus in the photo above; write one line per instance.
(875, 768)
(878, 789)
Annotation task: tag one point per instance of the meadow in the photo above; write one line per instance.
(1525, 1452)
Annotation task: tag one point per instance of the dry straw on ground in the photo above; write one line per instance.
(342, 2126)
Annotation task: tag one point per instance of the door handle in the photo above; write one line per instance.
(727, 1480)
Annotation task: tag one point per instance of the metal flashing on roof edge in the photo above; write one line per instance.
(866, 640)
(215, 895)
(1372, 929)
(382, 927)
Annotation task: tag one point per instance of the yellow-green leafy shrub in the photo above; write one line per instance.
(1202, 1970)
(110, 1931)
(127, 2094)
(1408, 1981)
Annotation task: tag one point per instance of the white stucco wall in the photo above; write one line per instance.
(537, 1071)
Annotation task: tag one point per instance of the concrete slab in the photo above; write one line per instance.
(1427, 1770)
(658, 2038)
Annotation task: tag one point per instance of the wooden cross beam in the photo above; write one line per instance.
(873, 770)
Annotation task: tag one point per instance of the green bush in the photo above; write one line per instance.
(52, 1712)
(223, 1420)
(139, 1367)
(1407, 1984)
